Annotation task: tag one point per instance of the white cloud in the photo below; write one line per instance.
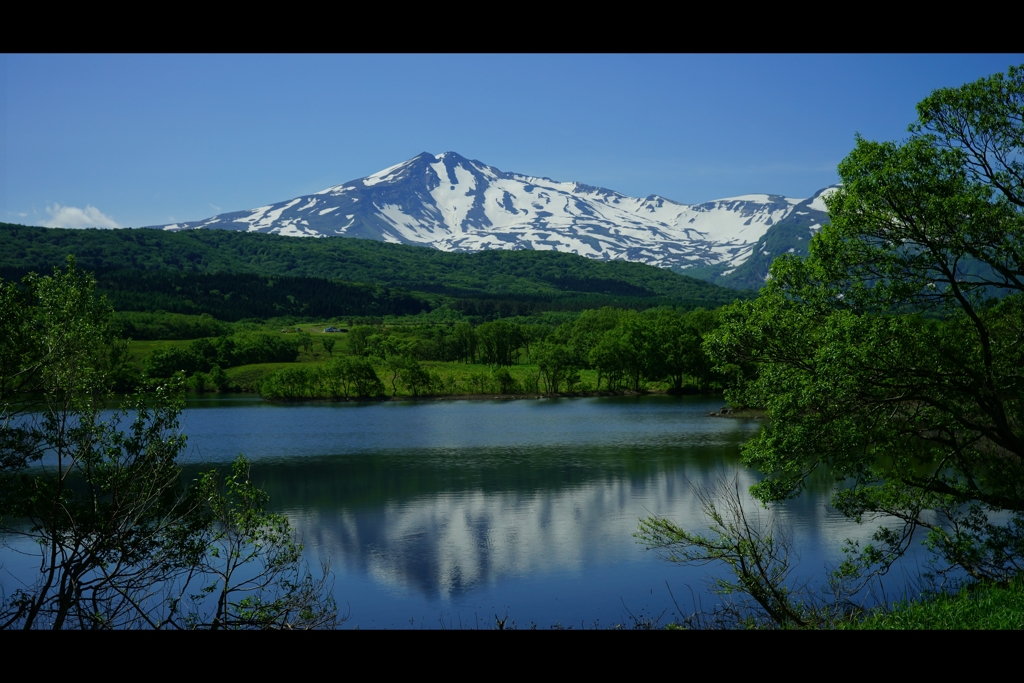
(73, 217)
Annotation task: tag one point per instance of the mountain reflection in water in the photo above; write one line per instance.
(453, 510)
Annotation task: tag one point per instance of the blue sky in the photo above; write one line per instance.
(122, 140)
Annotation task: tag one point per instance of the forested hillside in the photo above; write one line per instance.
(234, 275)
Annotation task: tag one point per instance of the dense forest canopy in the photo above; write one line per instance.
(187, 272)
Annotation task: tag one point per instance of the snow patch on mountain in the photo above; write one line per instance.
(451, 203)
(818, 201)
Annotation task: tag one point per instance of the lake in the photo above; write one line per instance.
(446, 513)
(449, 512)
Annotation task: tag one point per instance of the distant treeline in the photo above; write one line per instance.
(237, 296)
(240, 296)
(340, 276)
(627, 349)
(623, 350)
(203, 355)
(162, 325)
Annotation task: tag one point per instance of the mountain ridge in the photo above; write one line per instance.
(455, 204)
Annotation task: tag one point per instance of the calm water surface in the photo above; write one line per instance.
(449, 512)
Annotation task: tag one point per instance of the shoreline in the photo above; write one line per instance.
(479, 397)
(741, 414)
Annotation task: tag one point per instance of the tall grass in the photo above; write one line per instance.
(974, 606)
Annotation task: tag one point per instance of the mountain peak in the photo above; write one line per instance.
(452, 203)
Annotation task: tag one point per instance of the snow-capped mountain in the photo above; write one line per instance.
(455, 204)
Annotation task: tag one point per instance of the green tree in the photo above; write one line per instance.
(499, 342)
(641, 359)
(251, 564)
(505, 382)
(892, 355)
(198, 382)
(701, 322)
(465, 342)
(306, 342)
(609, 357)
(336, 377)
(291, 383)
(123, 542)
(358, 340)
(219, 378)
(556, 365)
(533, 334)
(413, 376)
(364, 379)
(582, 335)
(677, 349)
(758, 553)
(328, 344)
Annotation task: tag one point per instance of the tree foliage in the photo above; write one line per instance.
(203, 355)
(759, 554)
(893, 354)
(122, 541)
(162, 325)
